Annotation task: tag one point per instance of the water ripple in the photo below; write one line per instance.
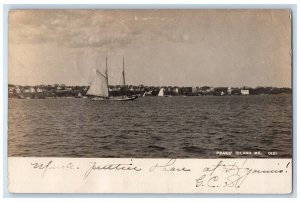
(181, 127)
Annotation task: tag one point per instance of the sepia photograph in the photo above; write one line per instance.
(150, 84)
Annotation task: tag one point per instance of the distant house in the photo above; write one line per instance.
(27, 90)
(244, 92)
(58, 88)
(18, 91)
(69, 89)
(32, 90)
(194, 90)
(39, 90)
(10, 90)
(187, 89)
(176, 90)
(209, 89)
(229, 90)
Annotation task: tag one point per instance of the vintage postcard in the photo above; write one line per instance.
(150, 101)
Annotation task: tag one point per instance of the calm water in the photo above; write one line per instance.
(153, 127)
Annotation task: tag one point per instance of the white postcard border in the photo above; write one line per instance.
(120, 175)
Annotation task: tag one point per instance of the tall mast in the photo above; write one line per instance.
(123, 73)
(106, 74)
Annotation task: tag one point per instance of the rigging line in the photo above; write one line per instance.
(99, 73)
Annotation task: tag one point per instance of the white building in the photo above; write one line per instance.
(176, 90)
(27, 91)
(245, 92)
(211, 89)
(39, 90)
(194, 89)
(18, 91)
(32, 90)
(229, 90)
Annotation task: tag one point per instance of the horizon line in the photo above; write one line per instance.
(157, 86)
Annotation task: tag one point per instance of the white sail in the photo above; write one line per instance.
(161, 92)
(99, 86)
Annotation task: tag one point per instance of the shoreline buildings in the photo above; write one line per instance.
(43, 91)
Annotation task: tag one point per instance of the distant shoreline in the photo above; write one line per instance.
(61, 90)
(153, 96)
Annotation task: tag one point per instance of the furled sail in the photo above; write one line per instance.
(99, 87)
(161, 92)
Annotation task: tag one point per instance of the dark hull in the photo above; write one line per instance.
(122, 98)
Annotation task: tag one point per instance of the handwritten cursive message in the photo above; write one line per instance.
(50, 165)
(201, 175)
(111, 167)
(168, 166)
(165, 166)
(232, 175)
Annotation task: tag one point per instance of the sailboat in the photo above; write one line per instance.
(161, 92)
(99, 88)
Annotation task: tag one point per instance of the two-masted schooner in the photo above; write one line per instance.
(99, 88)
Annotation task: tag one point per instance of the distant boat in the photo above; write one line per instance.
(99, 88)
(161, 92)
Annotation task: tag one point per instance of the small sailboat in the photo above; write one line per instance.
(161, 92)
(99, 88)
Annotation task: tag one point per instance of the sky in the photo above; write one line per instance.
(161, 47)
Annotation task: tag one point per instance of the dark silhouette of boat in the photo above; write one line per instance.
(98, 90)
